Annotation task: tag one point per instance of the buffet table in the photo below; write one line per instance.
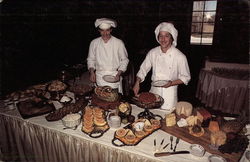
(36, 139)
(223, 93)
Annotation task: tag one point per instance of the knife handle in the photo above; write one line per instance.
(170, 153)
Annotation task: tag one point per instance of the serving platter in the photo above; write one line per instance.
(204, 141)
(124, 142)
(89, 124)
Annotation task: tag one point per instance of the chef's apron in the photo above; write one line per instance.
(169, 95)
(101, 82)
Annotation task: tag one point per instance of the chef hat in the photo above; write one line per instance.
(168, 27)
(105, 23)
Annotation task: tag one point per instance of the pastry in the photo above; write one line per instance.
(99, 122)
(139, 134)
(56, 86)
(148, 128)
(106, 93)
(199, 131)
(155, 123)
(87, 129)
(121, 132)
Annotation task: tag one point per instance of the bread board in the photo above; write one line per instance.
(183, 133)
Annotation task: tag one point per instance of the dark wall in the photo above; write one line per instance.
(38, 37)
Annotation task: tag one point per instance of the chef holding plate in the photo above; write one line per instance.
(169, 67)
(108, 57)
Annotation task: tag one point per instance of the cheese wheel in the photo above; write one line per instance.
(184, 108)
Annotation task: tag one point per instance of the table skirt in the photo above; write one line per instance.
(29, 142)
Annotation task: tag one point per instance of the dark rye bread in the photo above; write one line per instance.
(70, 108)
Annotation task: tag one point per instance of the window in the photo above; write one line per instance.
(203, 20)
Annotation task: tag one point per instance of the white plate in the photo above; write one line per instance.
(216, 158)
(109, 78)
(160, 83)
(229, 118)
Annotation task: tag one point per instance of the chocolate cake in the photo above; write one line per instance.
(147, 97)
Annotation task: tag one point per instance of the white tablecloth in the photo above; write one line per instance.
(36, 139)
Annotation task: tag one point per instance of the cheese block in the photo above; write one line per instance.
(192, 120)
(184, 108)
(170, 120)
(182, 122)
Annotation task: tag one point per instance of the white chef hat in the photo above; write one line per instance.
(168, 27)
(105, 23)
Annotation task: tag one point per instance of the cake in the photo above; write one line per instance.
(184, 108)
(147, 97)
(170, 120)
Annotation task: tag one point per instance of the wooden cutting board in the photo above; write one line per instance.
(183, 133)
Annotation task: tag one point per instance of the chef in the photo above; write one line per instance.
(107, 55)
(169, 67)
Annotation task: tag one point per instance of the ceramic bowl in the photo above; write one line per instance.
(71, 120)
(197, 150)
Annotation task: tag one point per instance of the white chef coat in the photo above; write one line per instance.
(107, 59)
(171, 65)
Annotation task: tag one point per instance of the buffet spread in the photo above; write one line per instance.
(93, 107)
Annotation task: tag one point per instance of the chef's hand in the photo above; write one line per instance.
(173, 83)
(168, 84)
(117, 76)
(92, 76)
(136, 87)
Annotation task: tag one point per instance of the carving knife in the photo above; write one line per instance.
(170, 153)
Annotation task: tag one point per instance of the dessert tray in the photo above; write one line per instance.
(134, 133)
(94, 121)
